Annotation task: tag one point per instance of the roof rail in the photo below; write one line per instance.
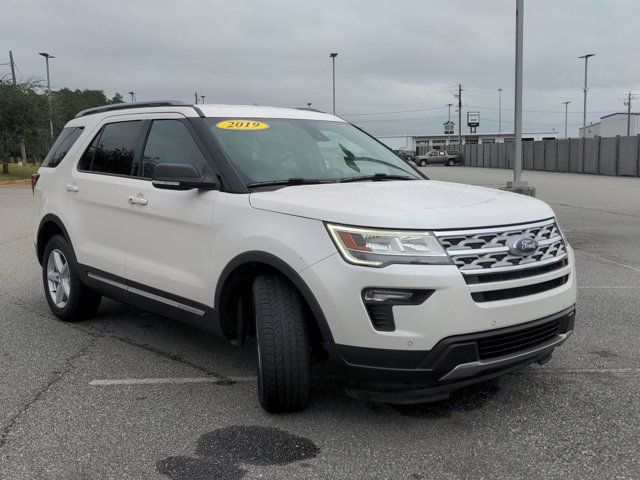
(309, 109)
(126, 106)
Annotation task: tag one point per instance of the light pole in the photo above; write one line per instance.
(308, 105)
(500, 110)
(333, 62)
(202, 97)
(517, 119)
(47, 57)
(584, 89)
(566, 110)
(133, 96)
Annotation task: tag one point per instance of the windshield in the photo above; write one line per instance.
(276, 149)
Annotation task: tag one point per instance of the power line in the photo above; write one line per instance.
(397, 111)
(537, 111)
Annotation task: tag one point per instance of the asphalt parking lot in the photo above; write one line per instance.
(68, 407)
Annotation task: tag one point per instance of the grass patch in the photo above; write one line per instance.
(18, 172)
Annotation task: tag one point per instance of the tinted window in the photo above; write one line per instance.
(62, 145)
(169, 141)
(113, 151)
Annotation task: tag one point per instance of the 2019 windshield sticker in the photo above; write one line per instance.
(242, 125)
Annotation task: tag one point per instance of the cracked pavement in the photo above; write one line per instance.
(576, 417)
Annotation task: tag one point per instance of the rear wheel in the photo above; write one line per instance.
(69, 299)
(283, 345)
(423, 162)
(451, 162)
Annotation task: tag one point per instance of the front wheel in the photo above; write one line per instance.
(423, 163)
(451, 162)
(69, 299)
(283, 345)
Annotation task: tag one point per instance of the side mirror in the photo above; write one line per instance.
(180, 176)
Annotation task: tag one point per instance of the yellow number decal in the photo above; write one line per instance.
(242, 125)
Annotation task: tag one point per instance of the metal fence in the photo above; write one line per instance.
(600, 155)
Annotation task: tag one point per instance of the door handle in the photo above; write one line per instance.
(71, 188)
(137, 200)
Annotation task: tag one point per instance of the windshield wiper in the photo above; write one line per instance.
(376, 177)
(287, 182)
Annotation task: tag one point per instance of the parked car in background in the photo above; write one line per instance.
(406, 156)
(447, 157)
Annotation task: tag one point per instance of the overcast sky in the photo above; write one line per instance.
(394, 55)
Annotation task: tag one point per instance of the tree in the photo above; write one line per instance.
(21, 115)
(67, 103)
(117, 98)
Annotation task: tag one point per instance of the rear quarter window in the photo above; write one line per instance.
(61, 146)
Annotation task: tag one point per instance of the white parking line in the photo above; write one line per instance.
(600, 287)
(628, 267)
(170, 380)
(597, 370)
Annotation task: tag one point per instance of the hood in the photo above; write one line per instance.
(426, 204)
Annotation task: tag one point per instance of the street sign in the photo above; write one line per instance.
(448, 127)
(473, 119)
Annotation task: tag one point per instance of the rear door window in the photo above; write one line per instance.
(115, 150)
(62, 145)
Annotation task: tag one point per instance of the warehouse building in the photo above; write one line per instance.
(613, 125)
(421, 144)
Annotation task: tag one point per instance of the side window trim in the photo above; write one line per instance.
(141, 144)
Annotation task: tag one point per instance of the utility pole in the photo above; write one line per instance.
(133, 96)
(566, 111)
(23, 150)
(459, 116)
(500, 110)
(628, 105)
(448, 121)
(584, 89)
(13, 68)
(333, 62)
(195, 95)
(47, 57)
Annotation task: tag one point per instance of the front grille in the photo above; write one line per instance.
(507, 343)
(483, 256)
(507, 293)
(515, 274)
(484, 249)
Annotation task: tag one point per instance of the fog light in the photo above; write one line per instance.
(381, 296)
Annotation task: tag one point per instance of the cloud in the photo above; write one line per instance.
(393, 56)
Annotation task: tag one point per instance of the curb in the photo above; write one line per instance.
(26, 181)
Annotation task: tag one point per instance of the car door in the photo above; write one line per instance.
(97, 209)
(170, 240)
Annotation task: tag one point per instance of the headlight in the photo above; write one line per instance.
(378, 248)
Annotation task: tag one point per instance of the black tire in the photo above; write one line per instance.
(82, 302)
(423, 163)
(451, 162)
(283, 345)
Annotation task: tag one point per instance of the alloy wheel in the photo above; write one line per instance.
(58, 279)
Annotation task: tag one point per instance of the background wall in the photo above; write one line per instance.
(601, 155)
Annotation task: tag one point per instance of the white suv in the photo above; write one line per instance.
(297, 229)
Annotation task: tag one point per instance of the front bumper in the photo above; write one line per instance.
(451, 309)
(406, 377)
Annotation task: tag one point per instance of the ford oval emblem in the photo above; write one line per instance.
(523, 246)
